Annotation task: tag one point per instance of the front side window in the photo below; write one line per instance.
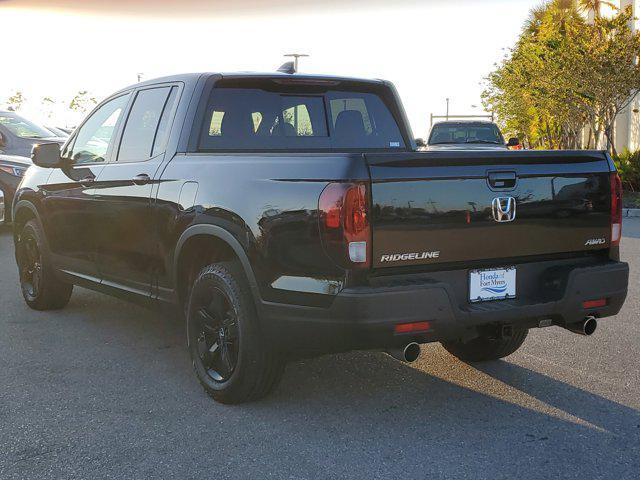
(146, 129)
(260, 119)
(94, 137)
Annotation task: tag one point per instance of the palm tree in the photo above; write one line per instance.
(536, 17)
(595, 6)
(557, 13)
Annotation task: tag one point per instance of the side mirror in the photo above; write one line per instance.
(420, 142)
(3, 142)
(513, 142)
(46, 155)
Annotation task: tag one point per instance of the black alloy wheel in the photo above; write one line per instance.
(216, 334)
(231, 355)
(42, 288)
(30, 265)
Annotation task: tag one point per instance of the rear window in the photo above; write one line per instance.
(260, 119)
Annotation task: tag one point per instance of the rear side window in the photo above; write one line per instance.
(164, 127)
(146, 130)
(257, 119)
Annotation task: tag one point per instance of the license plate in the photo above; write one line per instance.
(495, 284)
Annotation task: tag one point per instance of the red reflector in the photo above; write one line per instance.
(412, 327)
(602, 302)
(616, 209)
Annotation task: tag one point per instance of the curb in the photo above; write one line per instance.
(631, 212)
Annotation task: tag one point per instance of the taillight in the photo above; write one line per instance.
(344, 224)
(616, 209)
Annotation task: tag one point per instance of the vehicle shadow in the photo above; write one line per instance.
(354, 415)
(498, 420)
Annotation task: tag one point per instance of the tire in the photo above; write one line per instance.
(484, 348)
(230, 356)
(41, 288)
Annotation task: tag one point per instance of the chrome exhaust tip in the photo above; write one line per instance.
(408, 354)
(587, 327)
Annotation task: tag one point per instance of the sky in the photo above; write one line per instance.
(430, 49)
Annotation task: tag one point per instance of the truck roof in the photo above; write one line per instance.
(464, 122)
(193, 77)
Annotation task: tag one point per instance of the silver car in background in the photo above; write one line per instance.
(468, 135)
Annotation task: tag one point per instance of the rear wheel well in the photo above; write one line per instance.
(198, 252)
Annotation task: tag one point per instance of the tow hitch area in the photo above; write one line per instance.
(506, 331)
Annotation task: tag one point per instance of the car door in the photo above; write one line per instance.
(123, 192)
(4, 140)
(69, 214)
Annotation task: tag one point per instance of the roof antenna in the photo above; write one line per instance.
(288, 67)
(292, 67)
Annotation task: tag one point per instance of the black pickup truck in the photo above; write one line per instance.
(291, 215)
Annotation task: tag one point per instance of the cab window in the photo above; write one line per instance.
(146, 130)
(94, 137)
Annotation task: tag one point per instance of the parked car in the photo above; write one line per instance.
(287, 215)
(60, 132)
(18, 135)
(468, 135)
(12, 169)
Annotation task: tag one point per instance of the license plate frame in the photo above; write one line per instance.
(491, 284)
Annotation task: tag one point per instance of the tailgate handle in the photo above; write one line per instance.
(502, 179)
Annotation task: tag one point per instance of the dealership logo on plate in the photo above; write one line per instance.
(493, 282)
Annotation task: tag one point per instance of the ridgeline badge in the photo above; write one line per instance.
(405, 257)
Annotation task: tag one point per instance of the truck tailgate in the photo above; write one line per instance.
(446, 207)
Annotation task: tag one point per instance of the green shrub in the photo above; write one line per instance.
(628, 165)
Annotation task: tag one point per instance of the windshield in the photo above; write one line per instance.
(465, 133)
(22, 127)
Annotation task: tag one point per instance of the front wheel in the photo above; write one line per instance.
(484, 348)
(41, 288)
(231, 358)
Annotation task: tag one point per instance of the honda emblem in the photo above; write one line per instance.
(504, 209)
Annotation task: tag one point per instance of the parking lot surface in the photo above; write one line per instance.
(104, 389)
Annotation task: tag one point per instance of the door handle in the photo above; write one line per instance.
(88, 180)
(141, 179)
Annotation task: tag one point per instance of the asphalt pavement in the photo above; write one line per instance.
(104, 389)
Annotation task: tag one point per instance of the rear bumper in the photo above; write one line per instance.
(365, 317)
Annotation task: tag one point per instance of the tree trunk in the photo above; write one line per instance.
(609, 132)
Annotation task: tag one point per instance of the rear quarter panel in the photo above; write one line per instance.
(269, 203)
